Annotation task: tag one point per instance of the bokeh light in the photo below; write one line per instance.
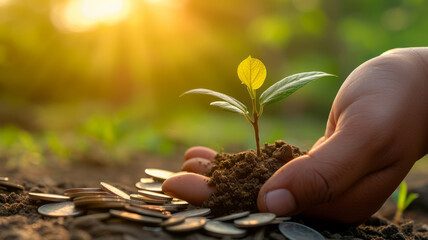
(83, 15)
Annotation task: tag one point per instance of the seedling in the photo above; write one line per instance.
(252, 73)
(403, 200)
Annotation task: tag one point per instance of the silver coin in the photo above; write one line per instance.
(173, 220)
(255, 220)
(232, 216)
(135, 217)
(11, 186)
(153, 186)
(62, 209)
(115, 190)
(297, 231)
(4, 179)
(48, 197)
(145, 199)
(279, 220)
(148, 212)
(189, 224)
(154, 195)
(221, 229)
(74, 190)
(194, 212)
(159, 174)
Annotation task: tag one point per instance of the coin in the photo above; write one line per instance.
(88, 194)
(11, 186)
(73, 190)
(135, 217)
(91, 201)
(61, 209)
(173, 220)
(4, 179)
(296, 231)
(153, 186)
(145, 199)
(179, 203)
(232, 216)
(115, 191)
(49, 197)
(154, 195)
(255, 220)
(194, 212)
(147, 212)
(147, 180)
(279, 220)
(98, 196)
(221, 229)
(83, 220)
(107, 205)
(158, 174)
(189, 224)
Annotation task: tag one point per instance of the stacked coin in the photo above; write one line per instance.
(150, 207)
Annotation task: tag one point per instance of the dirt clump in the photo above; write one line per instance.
(239, 177)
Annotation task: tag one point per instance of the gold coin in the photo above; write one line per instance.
(135, 217)
(154, 195)
(189, 224)
(159, 174)
(148, 212)
(49, 197)
(115, 190)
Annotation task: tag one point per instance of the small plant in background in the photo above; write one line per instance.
(403, 200)
(252, 73)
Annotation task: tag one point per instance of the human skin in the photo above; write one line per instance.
(377, 129)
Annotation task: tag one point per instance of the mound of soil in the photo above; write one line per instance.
(239, 177)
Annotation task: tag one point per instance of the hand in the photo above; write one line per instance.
(377, 129)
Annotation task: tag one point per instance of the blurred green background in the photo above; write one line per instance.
(99, 80)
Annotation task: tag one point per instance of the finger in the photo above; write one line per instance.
(364, 198)
(188, 186)
(200, 152)
(322, 175)
(197, 165)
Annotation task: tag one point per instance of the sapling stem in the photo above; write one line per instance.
(255, 124)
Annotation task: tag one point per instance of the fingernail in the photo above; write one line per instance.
(280, 202)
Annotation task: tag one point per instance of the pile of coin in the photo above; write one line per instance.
(149, 206)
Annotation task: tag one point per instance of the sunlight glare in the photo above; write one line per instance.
(83, 15)
(4, 2)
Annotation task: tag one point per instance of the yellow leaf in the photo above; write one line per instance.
(252, 72)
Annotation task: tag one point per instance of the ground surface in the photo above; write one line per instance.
(19, 218)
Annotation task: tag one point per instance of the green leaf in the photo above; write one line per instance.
(222, 96)
(227, 106)
(402, 194)
(288, 85)
(410, 199)
(252, 72)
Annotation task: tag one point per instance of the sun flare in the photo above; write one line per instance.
(83, 15)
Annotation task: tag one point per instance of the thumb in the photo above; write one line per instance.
(318, 177)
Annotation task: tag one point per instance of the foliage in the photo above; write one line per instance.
(252, 73)
(403, 200)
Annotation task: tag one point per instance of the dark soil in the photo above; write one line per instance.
(19, 218)
(239, 177)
